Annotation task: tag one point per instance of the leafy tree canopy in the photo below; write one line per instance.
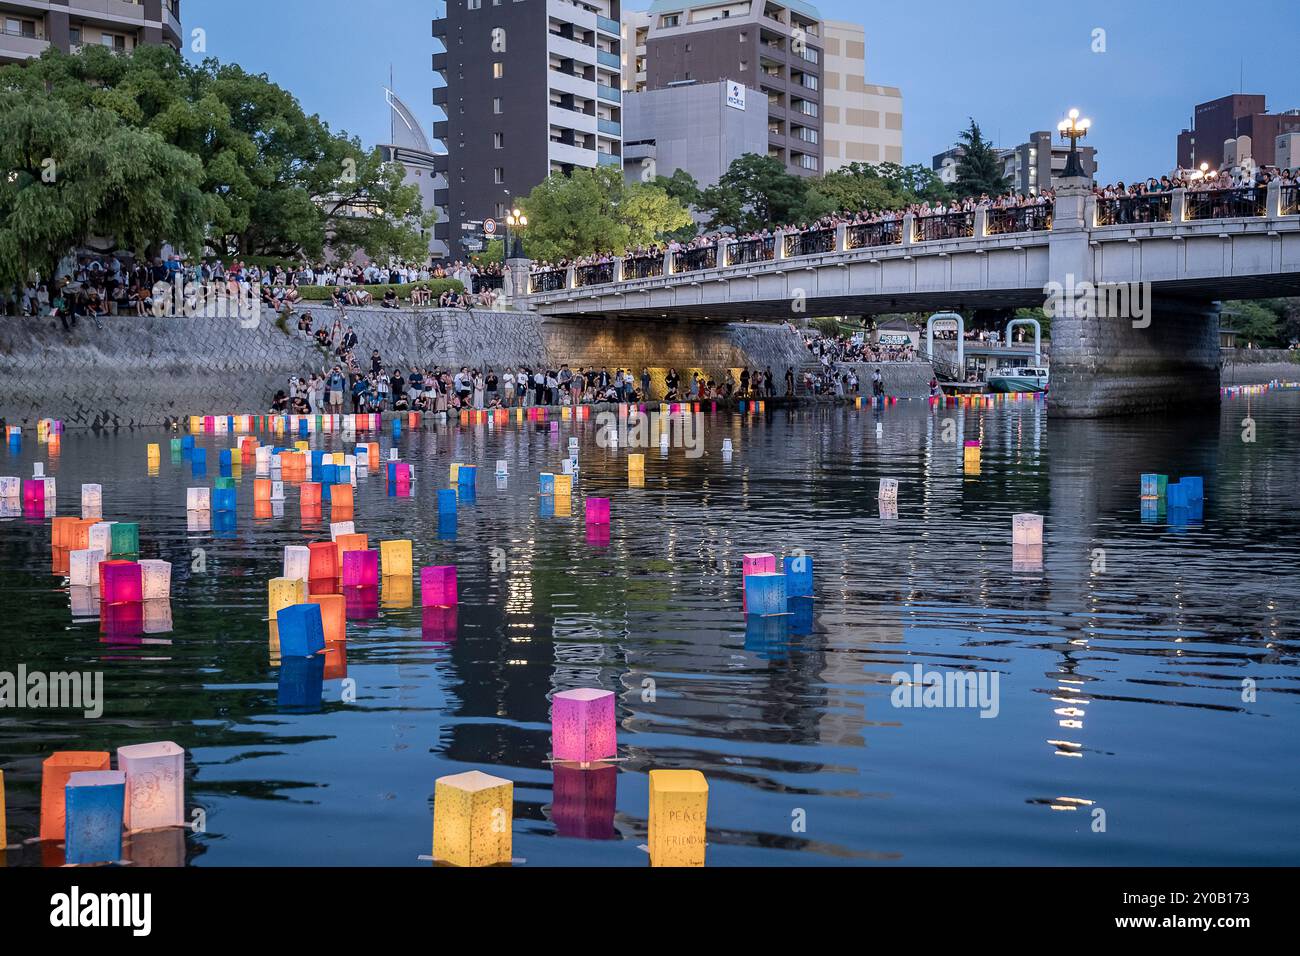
(979, 170)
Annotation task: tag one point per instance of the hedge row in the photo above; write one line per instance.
(323, 293)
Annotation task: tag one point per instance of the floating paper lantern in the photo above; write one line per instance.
(1027, 529)
(636, 464)
(597, 511)
(1176, 495)
(282, 593)
(341, 497)
(472, 819)
(324, 562)
(758, 563)
(396, 558)
(10, 487)
(566, 467)
(503, 467)
(1153, 486)
(261, 489)
(799, 576)
(726, 445)
(310, 497)
(198, 499)
(94, 803)
(582, 725)
(224, 499)
(83, 567)
(38, 469)
(156, 579)
(297, 562)
(1026, 557)
(350, 542)
(467, 475)
(888, 489)
(546, 483)
(302, 630)
(1195, 488)
(126, 537)
(563, 485)
(121, 582)
(334, 616)
(438, 587)
(155, 785)
(765, 593)
(34, 493)
(679, 806)
(338, 528)
(361, 569)
(55, 771)
(92, 501)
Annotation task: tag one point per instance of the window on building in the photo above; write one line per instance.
(499, 175)
(498, 140)
(744, 65)
(496, 105)
(18, 27)
(74, 36)
(688, 48)
(114, 41)
(473, 4)
(501, 210)
(498, 70)
(670, 20)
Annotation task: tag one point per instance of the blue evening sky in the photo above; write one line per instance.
(1014, 65)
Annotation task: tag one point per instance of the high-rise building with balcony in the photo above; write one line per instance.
(529, 88)
(29, 27)
(861, 122)
(773, 46)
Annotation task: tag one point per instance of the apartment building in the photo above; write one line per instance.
(861, 122)
(1227, 118)
(529, 88)
(29, 27)
(772, 46)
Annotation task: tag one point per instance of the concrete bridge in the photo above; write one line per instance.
(1132, 284)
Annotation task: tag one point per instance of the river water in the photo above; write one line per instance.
(1147, 675)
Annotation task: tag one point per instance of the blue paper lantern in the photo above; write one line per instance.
(94, 801)
(447, 501)
(799, 576)
(765, 594)
(224, 499)
(302, 630)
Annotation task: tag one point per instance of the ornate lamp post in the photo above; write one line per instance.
(1074, 129)
(518, 221)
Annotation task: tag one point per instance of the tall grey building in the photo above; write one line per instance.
(408, 145)
(532, 87)
(29, 27)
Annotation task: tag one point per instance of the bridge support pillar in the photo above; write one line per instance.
(1167, 359)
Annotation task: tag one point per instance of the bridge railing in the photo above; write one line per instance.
(1226, 203)
(1131, 210)
(643, 267)
(597, 273)
(866, 235)
(549, 280)
(692, 260)
(752, 250)
(1290, 200)
(810, 242)
(1002, 222)
(953, 225)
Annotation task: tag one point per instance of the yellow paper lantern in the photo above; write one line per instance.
(395, 559)
(473, 819)
(679, 807)
(563, 486)
(284, 592)
(455, 473)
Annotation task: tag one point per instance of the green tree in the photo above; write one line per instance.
(1259, 324)
(979, 171)
(595, 211)
(278, 182)
(70, 173)
(756, 192)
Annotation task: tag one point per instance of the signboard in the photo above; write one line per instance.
(895, 338)
(735, 95)
(473, 245)
(490, 226)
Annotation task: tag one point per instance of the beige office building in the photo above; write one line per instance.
(861, 122)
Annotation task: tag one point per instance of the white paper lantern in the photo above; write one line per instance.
(83, 567)
(198, 499)
(1027, 529)
(888, 489)
(101, 536)
(297, 562)
(155, 785)
(341, 527)
(10, 487)
(156, 579)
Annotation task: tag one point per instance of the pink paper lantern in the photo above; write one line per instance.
(597, 511)
(121, 582)
(438, 586)
(582, 725)
(361, 569)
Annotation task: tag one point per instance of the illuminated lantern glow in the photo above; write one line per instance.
(310, 496)
(636, 464)
(302, 630)
(297, 562)
(121, 582)
(1027, 529)
(55, 771)
(94, 803)
(473, 815)
(582, 725)
(679, 807)
(397, 558)
(83, 567)
(155, 785)
(438, 586)
(341, 497)
(597, 511)
(324, 562)
(261, 489)
(282, 593)
(583, 801)
(350, 542)
(361, 569)
(156, 579)
(334, 616)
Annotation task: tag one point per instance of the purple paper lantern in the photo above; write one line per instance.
(582, 725)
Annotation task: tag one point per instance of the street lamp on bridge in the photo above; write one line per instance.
(518, 221)
(1074, 129)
